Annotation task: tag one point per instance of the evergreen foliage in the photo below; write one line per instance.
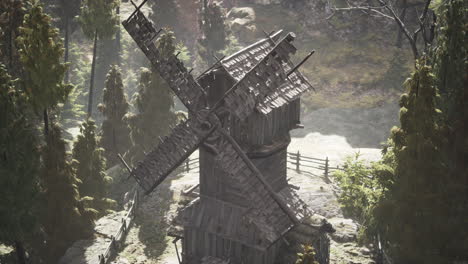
(115, 131)
(65, 218)
(307, 256)
(19, 167)
(41, 49)
(90, 168)
(214, 33)
(154, 103)
(11, 18)
(98, 20)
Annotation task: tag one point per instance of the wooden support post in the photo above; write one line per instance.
(187, 165)
(326, 168)
(177, 250)
(298, 158)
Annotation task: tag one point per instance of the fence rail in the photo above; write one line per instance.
(298, 160)
(118, 239)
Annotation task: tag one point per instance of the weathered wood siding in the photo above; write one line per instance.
(198, 244)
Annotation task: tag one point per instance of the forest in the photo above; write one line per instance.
(81, 106)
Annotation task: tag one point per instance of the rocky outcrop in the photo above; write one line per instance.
(241, 21)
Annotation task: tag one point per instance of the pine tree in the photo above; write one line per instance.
(90, 168)
(154, 103)
(115, 137)
(98, 20)
(11, 18)
(66, 218)
(44, 71)
(114, 107)
(19, 167)
(214, 33)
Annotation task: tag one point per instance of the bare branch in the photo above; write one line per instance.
(364, 8)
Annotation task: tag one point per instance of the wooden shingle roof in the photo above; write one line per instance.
(282, 89)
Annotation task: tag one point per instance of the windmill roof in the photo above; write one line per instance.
(246, 225)
(240, 63)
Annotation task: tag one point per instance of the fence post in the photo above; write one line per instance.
(298, 158)
(187, 167)
(326, 167)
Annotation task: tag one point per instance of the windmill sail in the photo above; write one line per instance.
(171, 69)
(169, 154)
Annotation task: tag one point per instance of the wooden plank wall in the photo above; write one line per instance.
(199, 244)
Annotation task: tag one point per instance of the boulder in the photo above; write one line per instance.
(241, 20)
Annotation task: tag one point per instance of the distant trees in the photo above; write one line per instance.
(44, 70)
(90, 168)
(165, 13)
(65, 218)
(98, 20)
(11, 18)
(214, 32)
(67, 11)
(19, 167)
(115, 131)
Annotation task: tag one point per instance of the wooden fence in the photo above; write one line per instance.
(305, 163)
(299, 161)
(117, 240)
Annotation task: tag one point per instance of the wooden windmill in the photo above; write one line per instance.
(240, 113)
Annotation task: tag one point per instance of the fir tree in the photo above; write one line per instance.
(98, 20)
(154, 103)
(214, 33)
(115, 131)
(90, 168)
(65, 216)
(44, 71)
(11, 18)
(19, 167)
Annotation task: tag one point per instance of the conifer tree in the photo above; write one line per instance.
(214, 33)
(41, 49)
(115, 131)
(11, 18)
(19, 167)
(99, 21)
(90, 168)
(66, 218)
(154, 103)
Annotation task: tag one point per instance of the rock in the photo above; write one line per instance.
(241, 20)
(346, 230)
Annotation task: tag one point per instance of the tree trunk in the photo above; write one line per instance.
(20, 252)
(46, 122)
(91, 82)
(400, 31)
(117, 37)
(67, 40)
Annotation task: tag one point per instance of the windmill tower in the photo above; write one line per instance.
(241, 111)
